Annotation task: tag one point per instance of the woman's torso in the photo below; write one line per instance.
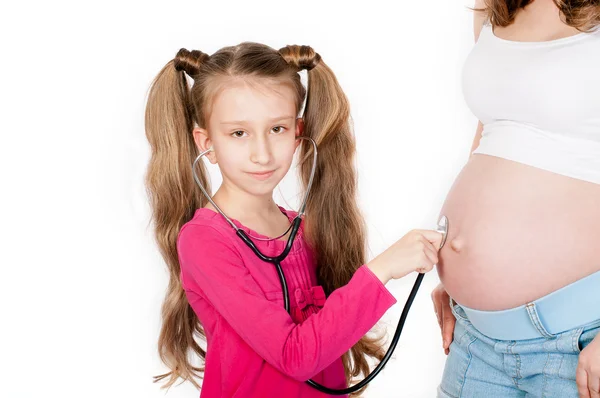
(524, 211)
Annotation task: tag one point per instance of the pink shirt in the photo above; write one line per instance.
(255, 348)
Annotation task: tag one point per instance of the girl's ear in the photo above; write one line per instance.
(299, 129)
(203, 142)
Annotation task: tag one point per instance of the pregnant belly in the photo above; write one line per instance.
(516, 233)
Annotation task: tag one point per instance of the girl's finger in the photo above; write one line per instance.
(432, 236)
(431, 254)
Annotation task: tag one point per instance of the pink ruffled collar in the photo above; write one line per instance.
(271, 247)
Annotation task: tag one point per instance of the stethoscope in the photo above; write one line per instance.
(294, 226)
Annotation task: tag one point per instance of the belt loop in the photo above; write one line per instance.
(457, 310)
(452, 302)
(535, 320)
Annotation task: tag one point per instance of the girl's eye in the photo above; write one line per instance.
(238, 133)
(278, 129)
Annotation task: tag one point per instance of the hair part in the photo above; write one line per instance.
(334, 226)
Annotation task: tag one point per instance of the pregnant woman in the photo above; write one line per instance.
(520, 294)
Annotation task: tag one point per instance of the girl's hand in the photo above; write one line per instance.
(588, 370)
(443, 312)
(415, 251)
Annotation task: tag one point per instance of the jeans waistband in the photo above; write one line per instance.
(572, 306)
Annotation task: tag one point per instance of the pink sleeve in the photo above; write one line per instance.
(209, 263)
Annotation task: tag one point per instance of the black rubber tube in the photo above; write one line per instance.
(286, 302)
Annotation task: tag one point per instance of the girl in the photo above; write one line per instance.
(244, 104)
(522, 263)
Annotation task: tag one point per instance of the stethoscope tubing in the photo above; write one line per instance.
(276, 260)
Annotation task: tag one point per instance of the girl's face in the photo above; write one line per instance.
(252, 128)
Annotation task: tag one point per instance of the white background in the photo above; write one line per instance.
(82, 281)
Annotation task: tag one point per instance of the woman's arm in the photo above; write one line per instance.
(479, 18)
(441, 300)
(478, 21)
(477, 138)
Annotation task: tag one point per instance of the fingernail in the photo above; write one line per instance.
(445, 343)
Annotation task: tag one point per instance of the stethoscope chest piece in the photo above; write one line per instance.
(442, 228)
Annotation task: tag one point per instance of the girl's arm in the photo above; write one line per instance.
(214, 269)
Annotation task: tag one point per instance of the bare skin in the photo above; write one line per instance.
(517, 232)
(254, 129)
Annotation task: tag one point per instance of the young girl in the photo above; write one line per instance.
(244, 104)
(521, 264)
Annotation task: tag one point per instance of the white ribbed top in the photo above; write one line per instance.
(539, 102)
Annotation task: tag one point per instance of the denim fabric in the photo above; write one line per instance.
(479, 366)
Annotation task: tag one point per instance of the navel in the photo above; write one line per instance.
(457, 244)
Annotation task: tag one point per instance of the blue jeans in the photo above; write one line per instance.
(479, 366)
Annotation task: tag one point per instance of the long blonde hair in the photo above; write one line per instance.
(334, 226)
(581, 14)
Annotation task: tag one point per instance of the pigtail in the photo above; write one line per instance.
(173, 198)
(334, 226)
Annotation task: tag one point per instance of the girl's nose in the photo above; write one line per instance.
(261, 151)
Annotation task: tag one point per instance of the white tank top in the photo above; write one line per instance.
(539, 102)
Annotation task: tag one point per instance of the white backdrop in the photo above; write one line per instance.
(82, 281)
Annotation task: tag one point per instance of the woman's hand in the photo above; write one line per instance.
(588, 370)
(443, 312)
